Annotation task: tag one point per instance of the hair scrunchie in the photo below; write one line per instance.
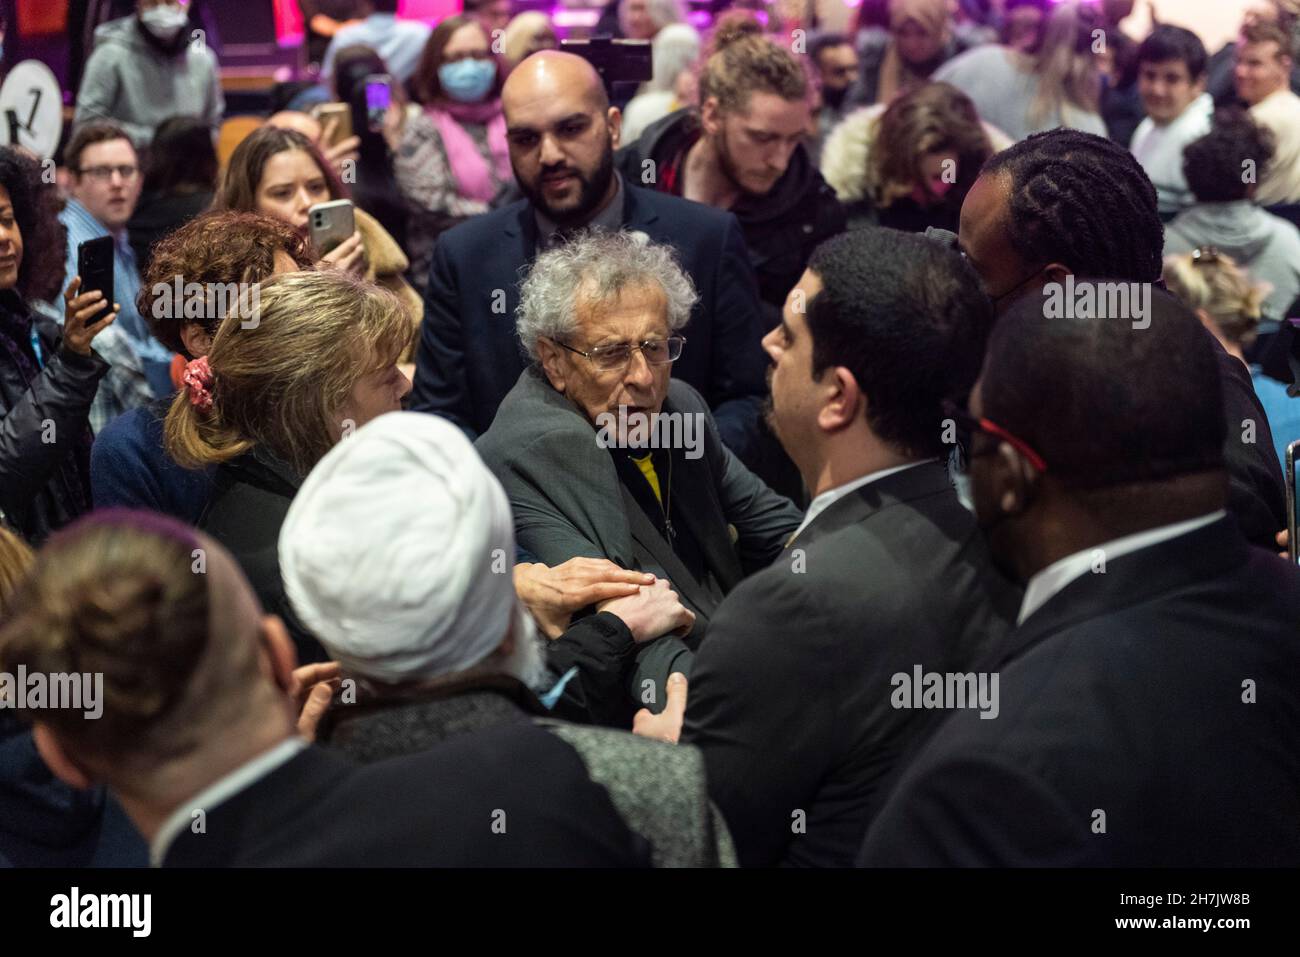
(198, 383)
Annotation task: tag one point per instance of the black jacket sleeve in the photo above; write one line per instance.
(1256, 491)
(761, 708)
(37, 433)
(738, 383)
(440, 385)
(602, 649)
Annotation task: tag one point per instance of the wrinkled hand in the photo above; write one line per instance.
(554, 594)
(312, 688)
(348, 256)
(653, 611)
(667, 724)
(78, 329)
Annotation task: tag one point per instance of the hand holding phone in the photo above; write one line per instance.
(336, 123)
(84, 317)
(330, 224)
(95, 267)
(379, 95)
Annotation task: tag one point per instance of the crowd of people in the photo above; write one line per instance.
(834, 448)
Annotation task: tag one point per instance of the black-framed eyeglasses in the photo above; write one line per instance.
(103, 174)
(969, 425)
(1205, 255)
(657, 352)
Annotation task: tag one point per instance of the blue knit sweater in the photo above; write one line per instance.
(130, 469)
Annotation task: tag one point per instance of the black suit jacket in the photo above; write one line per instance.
(1127, 734)
(469, 356)
(790, 691)
(436, 808)
(1256, 489)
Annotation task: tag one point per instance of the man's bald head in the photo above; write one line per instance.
(562, 134)
(551, 73)
(168, 619)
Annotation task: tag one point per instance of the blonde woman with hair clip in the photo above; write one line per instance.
(1230, 305)
(312, 360)
(1024, 93)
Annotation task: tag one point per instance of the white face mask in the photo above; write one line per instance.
(165, 22)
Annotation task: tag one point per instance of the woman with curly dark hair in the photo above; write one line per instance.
(217, 254)
(910, 165)
(48, 376)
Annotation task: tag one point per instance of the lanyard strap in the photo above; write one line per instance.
(36, 347)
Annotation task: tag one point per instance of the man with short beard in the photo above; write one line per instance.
(562, 133)
(837, 63)
(742, 150)
(147, 68)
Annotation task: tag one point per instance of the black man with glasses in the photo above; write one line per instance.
(1149, 714)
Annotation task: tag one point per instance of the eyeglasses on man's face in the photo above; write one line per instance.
(616, 356)
(102, 174)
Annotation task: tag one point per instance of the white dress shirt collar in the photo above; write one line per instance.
(1060, 573)
(230, 785)
(826, 499)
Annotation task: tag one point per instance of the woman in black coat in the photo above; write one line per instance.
(48, 375)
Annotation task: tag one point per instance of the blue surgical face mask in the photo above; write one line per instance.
(467, 81)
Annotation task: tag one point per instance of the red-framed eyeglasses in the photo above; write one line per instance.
(969, 424)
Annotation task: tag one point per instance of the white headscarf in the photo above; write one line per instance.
(398, 550)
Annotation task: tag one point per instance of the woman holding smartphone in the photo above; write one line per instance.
(48, 375)
(280, 173)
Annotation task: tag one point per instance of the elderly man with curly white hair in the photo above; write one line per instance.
(603, 455)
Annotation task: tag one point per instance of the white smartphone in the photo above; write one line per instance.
(330, 224)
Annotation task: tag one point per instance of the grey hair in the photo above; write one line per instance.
(598, 265)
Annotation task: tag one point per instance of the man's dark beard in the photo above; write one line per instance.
(590, 194)
(723, 152)
(834, 98)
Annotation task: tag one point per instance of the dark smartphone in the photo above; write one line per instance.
(95, 267)
(379, 94)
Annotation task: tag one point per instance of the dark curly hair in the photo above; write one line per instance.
(1085, 202)
(36, 214)
(1214, 165)
(226, 247)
